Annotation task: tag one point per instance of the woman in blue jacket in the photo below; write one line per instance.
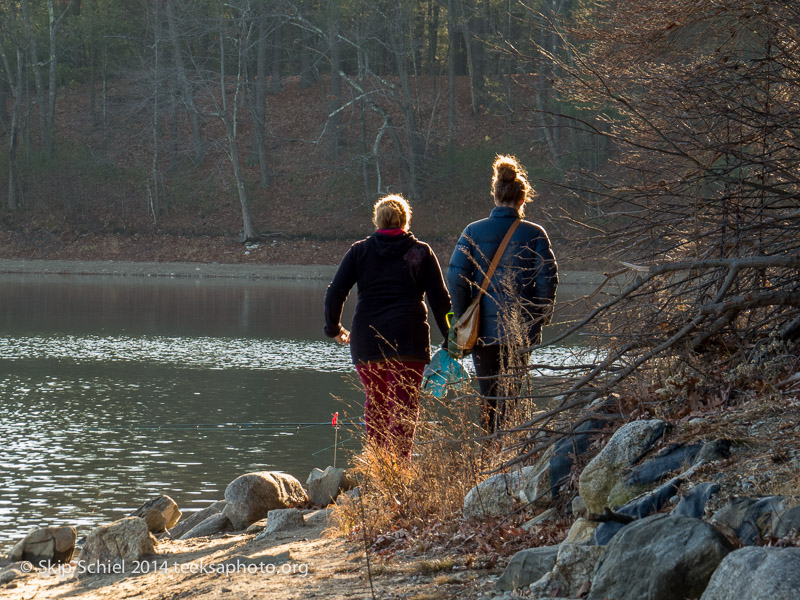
(390, 339)
(520, 297)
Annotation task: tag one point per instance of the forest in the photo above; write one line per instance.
(662, 139)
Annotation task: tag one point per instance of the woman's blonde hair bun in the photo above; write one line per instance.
(510, 182)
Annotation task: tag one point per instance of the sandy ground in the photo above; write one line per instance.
(299, 564)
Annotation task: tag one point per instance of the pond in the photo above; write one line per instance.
(115, 390)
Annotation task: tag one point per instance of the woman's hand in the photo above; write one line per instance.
(343, 337)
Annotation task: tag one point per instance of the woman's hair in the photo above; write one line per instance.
(510, 182)
(392, 212)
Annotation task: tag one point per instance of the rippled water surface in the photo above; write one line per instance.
(115, 390)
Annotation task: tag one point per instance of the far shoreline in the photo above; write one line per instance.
(256, 271)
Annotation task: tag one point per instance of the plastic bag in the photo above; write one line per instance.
(441, 371)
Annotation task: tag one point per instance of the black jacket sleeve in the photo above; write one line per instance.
(338, 291)
(437, 294)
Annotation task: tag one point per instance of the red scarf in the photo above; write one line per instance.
(395, 231)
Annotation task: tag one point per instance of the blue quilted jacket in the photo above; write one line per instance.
(527, 272)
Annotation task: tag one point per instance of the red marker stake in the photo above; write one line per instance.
(335, 425)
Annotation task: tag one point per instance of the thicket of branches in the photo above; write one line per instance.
(701, 205)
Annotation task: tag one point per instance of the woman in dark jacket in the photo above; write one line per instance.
(390, 338)
(520, 296)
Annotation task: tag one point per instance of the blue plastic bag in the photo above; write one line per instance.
(441, 371)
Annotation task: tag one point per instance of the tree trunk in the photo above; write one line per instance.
(231, 124)
(433, 34)
(15, 84)
(154, 175)
(33, 60)
(184, 84)
(335, 119)
(259, 107)
(451, 77)
(277, 52)
(473, 91)
(50, 120)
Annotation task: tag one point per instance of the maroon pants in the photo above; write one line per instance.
(391, 409)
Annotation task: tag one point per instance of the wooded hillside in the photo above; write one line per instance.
(251, 117)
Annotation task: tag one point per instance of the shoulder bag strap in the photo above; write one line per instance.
(498, 255)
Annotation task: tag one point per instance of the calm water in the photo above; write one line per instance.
(115, 390)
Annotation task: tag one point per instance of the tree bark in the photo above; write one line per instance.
(259, 108)
(33, 59)
(184, 84)
(335, 119)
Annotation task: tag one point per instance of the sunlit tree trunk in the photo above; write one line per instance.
(229, 114)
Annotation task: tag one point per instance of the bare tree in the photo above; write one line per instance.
(700, 205)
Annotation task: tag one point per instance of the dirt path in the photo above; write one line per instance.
(299, 564)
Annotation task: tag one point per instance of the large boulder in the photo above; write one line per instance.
(324, 486)
(160, 513)
(526, 566)
(196, 518)
(216, 523)
(283, 519)
(750, 518)
(661, 557)
(251, 496)
(495, 496)
(624, 448)
(120, 542)
(756, 573)
(571, 573)
(49, 545)
(786, 522)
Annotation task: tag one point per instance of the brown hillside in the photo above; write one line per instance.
(92, 201)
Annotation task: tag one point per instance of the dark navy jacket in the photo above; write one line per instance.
(527, 271)
(393, 273)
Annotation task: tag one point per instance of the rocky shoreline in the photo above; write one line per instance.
(653, 519)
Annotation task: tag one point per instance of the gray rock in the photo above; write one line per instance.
(124, 541)
(10, 573)
(494, 496)
(579, 507)
(325, 486)
(603, 472)
(693, 502)
(756, 573)
(283, 519)
(581, 532)
(571, 573)
(526, 566)
(536, 489)
(47, 544)
(195, 519)
(211, 526)
(160, 513)
(317, 518)
(750, 518)
(661, 557)
(786, 522)
(250, 497)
